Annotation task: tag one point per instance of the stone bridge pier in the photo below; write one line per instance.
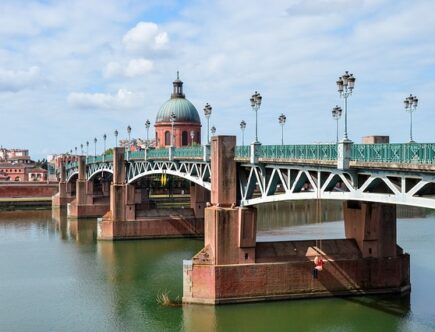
(232, 267)
(66, 194)
(89, 202)
(132, 217)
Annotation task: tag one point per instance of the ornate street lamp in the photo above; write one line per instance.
(336, 114)
(281, 119)
(147, 126)
(172, 118)
(255, 104)
(128, 146)
(411, 103)
(116, 138)
(192, 136)
(207, 113)
(95, 147)
(87, 148)
(243, 127)
(81, 149)
(104, 140)
(213, 130)
(345, 85)
(75, 149)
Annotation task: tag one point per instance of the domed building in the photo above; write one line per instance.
(187, 124)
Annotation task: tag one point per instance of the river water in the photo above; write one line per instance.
(54, 276)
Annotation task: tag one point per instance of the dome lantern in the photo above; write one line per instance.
(178, 88)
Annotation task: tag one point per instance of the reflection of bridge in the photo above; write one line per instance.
(232, 267)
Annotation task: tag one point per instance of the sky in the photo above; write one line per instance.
(72, 71)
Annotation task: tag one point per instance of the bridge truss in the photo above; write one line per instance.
(194, 171)
(263, 183)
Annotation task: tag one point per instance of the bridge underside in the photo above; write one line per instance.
(262, 184)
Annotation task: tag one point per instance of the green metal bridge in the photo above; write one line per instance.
(388, 173)
(409, 153)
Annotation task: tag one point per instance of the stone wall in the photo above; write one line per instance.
(26, 190)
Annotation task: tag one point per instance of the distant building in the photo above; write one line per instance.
(15, 156)
(21, 172)
(187, 124)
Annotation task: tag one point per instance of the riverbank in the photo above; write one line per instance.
(25, 203)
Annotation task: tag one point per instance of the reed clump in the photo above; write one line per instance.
(164, 299)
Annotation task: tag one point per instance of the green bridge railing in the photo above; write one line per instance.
(409, 153)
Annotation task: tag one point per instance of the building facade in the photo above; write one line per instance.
(185, 127)
(15, 155)
(19, 172)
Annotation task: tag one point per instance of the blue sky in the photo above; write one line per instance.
(74, 70)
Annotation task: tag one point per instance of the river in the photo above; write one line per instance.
(54, 276)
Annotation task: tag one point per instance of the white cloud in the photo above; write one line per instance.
(134, 68)
(112, 69)
(138, 67)
(11, 80)
(322, 7)
(145, 35)
(122, 99)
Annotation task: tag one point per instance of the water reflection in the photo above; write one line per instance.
(112, 286)
(83, 231)
(59, 217)
(338, 314)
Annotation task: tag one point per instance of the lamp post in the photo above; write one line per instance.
(172, 118)
(411, 103)
(345, 85)
(95, 147)
(336, 114)
(129, 132)
(128, 146)
(213, 130)
(192, 136)
(116, 138)
(255, 104)
(87, 148)
(281, 119)
(147, 126)
(242, 128)
(207, 113)
(75, 149)
(81, 149)
(104, 140)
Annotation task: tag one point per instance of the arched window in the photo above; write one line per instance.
(184, 138)
(167, 138)
(17, 178)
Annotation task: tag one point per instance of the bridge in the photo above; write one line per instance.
(228, 181)
(386, 173)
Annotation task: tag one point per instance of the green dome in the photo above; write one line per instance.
(179, 105)
(182, 108)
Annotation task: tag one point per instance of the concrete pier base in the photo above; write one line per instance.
(58, 202)
(153, 223)
(87, 210)
(283, 270)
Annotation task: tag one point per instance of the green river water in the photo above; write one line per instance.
(54, 276)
